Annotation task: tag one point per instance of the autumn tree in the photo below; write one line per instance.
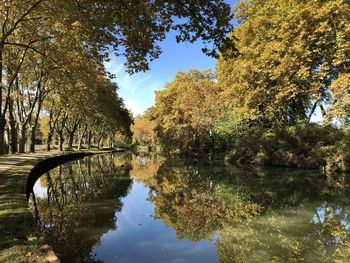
(293, 58)
(60, 33)
(185, 111)
(144, 131)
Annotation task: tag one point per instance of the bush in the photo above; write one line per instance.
(302, 146)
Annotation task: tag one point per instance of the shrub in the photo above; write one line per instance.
(304, 146)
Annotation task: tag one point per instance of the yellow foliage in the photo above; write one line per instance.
(293, 54)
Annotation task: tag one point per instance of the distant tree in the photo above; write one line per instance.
(144, 131)
(185, 111)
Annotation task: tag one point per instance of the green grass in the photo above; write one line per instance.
(19, 238)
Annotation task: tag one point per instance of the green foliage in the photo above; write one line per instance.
(303, 146)
(225, 130)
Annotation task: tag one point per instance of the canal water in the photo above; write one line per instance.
(127, 208)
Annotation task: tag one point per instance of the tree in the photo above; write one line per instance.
(185, 111)
(293, 57)
(144, 131)
(62, 36)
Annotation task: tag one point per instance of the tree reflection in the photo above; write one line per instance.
(80, 203)
(190, 202)
(287, 236)
(332, 231)
(255, 215)
(303, 218)
(145, 168)
(252, 215)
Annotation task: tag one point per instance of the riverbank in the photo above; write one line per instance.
(304, 145)
(20, 240)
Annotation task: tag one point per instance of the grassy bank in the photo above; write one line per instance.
(19, 238)
(309, 146)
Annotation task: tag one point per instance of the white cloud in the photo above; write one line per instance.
(142, 80)
(137, 90)
(134, 107)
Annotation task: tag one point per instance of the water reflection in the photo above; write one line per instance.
(124, 208)
(80, 202)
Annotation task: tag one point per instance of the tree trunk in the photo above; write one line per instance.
(2, 134)
(52, 126)
(323, 110)
(111, 141)
(22, 140)
(2, 117)
(71, 136)
(89, 139)
(32, 138)
(99, 143)
(70, 140)
(35, 126)
(13, 140)
(60, 140)
(71, 128)
(80, 142)
(81, 137)
(60, 126)
(313, 110)
(48, 142)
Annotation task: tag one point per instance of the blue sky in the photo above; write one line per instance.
(138, 90)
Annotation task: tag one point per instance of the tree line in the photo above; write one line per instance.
(292, 59)
(52, 53)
